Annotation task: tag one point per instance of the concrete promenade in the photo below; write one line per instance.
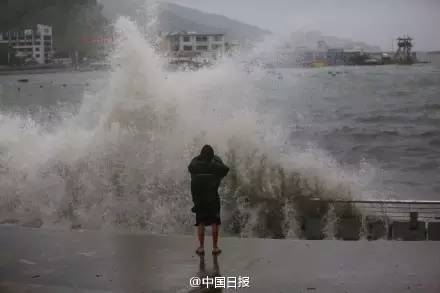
(39, 260)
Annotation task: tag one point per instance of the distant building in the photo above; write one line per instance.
(323, 55)
(281, 57)
(4, 52)
(194, 45)
(353, 56)
(322, 46)
(335, 56)
(434, 57)
(379, 58)
(311, 57)
(232, 47)
(424, 57)
(31, 45)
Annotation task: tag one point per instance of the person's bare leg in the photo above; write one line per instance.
(215, 232)
(201, 236)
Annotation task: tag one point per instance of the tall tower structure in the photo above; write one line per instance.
(403, 54)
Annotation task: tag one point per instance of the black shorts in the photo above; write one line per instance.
(207, 219)
(208, 214)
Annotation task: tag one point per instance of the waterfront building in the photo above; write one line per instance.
(353, 56)
(311, 57)
(194, 45)
(4, 52)
(335, 56)
(31, 45)
(433, 57)
(232, 47)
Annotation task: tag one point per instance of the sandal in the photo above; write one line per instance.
(200, 251)
(216, 251)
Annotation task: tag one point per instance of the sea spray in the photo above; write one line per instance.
(120, 162)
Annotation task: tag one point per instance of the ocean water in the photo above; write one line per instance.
(386, 116)
(109, 150)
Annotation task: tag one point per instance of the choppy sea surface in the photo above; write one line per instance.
(388, 116)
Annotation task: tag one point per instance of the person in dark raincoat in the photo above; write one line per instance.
(207, 171)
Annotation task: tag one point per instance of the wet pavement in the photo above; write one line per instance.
(39, 260)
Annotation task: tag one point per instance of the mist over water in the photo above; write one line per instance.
(119, 161)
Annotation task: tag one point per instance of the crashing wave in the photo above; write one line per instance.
(120, 162)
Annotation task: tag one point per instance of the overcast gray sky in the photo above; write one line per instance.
(376, 22)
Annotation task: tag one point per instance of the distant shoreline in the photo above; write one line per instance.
(33, 71)
(8, 70)
(41, 70)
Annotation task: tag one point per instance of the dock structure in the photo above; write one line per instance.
(403, 54)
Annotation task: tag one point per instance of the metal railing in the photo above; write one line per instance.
(414, 220)
(399, 210)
